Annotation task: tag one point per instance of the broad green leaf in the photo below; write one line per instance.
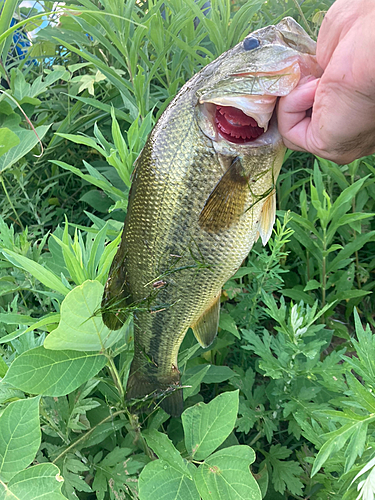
(40, 482)
(27, 140)
(8, 140)
(217, 374)
(19, 436)
(225, 475)
(193, 378)
(39, 272)
(206, 426)
(81, 327)
(53, 373)
(164, 449)
(159, 481)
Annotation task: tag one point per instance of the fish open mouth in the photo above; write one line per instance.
(235, 126)
(237, 120)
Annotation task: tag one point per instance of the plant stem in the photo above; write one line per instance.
(10, 202)
(298, 7)
(324, 279)
(116, 377)
(88, 433)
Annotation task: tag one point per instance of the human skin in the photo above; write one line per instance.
(341, 125)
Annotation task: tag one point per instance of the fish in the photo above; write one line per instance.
(203, 191)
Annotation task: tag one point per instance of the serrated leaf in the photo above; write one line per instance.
(19, 436)
(53, 373)
(206, 426)
(225, 475)
(158, 480)
(164, 449)
(81, 327)
(286, 475)
(335, 440)
(40, 482)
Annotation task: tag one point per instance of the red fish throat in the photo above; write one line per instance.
(235, 126)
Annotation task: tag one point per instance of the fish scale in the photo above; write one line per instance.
(196, 206)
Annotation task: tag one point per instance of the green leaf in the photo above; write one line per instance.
(41, 482)
(19, 436)
(299, 295)
(159, 481)
(81, 327)
(42, 274)
(164, 449)
(312, 285)
(225, 475)
(49, 319)
(349, 249)
(335, 440)
(16, 319)
(53, 373)
(27, 140)
(206, 426)
(227, 323)
(193, 377)
(218, 374)
(8, 140)
(3, 367)
(101, 183)
(285, 473)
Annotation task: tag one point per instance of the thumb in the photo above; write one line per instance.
(292, 114)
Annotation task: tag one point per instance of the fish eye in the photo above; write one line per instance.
(250, 43)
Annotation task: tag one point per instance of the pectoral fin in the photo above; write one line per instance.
(205, 329)
(267, 217)
(227, 201)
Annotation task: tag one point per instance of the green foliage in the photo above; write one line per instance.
(223, 475)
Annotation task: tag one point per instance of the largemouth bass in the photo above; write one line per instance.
(203, 191)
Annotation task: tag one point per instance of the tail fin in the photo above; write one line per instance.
(141, 384)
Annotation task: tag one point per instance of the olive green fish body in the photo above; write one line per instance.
(198, 202)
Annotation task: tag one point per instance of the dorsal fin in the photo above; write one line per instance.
(205, 329)
(227, 201)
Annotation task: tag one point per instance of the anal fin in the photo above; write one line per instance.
(267, 217)
(205, 329)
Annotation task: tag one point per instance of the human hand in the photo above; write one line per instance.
(341, 126)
